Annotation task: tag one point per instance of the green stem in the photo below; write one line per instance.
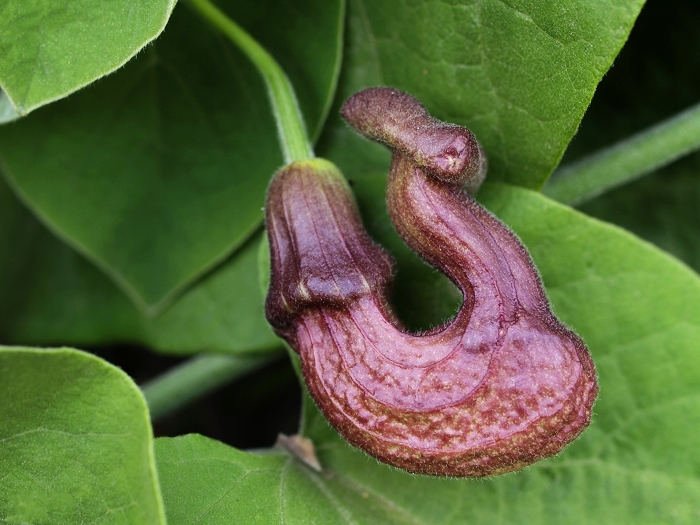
(195, 378)
(290, 124)
(642, 153)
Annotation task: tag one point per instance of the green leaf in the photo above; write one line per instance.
(639, 311)
(49, 293)
(520, 74)
(51, 49)
(158, 172)
(75, 442)
(209, 483)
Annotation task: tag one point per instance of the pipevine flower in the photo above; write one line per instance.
(500, 386)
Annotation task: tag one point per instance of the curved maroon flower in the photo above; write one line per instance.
(500, 386)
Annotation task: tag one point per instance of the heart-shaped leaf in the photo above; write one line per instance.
(519, 74)
(50, 293)
(51, 49)
(159, 171)
(75, 442)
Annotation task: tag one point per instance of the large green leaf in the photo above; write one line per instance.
(158, 172)
(50, 49)
(209, 483)
(75, 442)
(520, 74)
(639, 311)
(50, 294)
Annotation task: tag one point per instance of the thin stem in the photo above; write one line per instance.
(193, 379)
(290, 124)
(638, 155)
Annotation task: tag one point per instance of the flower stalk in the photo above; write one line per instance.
(291, 130)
